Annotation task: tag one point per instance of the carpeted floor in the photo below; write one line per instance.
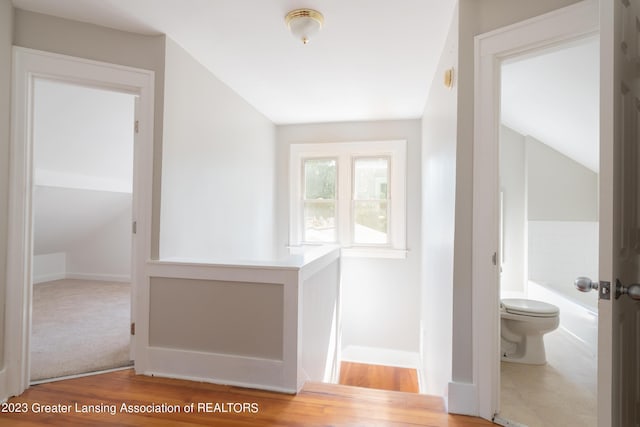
(79, 326)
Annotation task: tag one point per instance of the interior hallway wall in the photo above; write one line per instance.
(438, 226)
(6, 41)
(380, 297)
(218, 171)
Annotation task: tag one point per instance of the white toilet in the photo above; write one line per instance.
(523, 322)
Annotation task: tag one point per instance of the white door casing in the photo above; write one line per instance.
(560, 26)
(619, 317)
(28, 65)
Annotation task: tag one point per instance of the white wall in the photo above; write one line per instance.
(560, 251)
(217, 169)
(380, 297)
(438, 208)
(512, 186)
(105, 253)
(6, 40)
(558, 188)
(48, 267)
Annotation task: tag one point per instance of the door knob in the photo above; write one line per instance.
(584, 284)
(633, 291)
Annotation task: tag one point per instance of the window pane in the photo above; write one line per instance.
(370, 204)
(371, 224)
(371, 178)
(319, 221)
(319, 179)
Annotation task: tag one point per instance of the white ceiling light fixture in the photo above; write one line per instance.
(304, 23)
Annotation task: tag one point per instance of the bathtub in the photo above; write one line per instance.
(269, 324)
(577, 319)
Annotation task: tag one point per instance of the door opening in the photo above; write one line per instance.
(83, 149)
(548, 178)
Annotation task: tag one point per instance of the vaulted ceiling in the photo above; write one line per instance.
(553, 96)
(374, 59)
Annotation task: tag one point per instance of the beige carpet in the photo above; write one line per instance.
(79, 326)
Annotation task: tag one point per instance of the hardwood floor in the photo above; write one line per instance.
(119, 398)
(379, 377)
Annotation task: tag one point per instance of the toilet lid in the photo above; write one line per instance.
(528, 307)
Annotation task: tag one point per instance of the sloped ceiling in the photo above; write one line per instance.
(374, 59)
(553, 96)
(63, 216)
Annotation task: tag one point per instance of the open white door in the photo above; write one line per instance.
(619, 315)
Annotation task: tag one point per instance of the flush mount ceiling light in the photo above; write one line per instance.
(304, 23)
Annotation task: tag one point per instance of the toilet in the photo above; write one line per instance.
(523, 322)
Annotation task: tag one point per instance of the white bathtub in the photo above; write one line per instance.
(578, 320)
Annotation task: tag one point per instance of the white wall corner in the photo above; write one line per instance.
(49, 267)
(462, 399)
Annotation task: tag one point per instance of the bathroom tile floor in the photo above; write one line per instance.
(560, 393)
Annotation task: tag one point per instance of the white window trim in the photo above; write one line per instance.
(395, 150)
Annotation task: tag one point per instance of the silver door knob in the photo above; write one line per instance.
(633, 291)
(584, 284)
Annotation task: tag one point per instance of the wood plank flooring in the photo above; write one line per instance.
(379, 377)
(127, 395)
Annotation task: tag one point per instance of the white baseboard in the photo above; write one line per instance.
(101, 277)
(48, 278)
(462, 399)
(380, 356)
(226, 369)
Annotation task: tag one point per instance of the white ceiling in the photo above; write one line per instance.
(553, 96)
(374, 59)
(83, 137)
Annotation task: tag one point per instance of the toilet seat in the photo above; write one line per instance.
(527, 307)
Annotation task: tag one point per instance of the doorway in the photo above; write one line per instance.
(82, 197)
(29, 66)
(565, 25)
(549, 164)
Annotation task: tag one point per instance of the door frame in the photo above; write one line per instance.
(563, 25)
(28, 65)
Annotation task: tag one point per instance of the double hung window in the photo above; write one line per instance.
(352, 194)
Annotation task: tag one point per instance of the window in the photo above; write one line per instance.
(350, 193)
